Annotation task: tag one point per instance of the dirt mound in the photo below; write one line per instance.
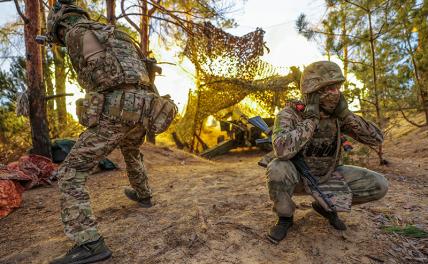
(214, 212)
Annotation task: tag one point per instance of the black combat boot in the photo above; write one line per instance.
(87, 253)
(134, 196)
(279, 231)
(332, 217)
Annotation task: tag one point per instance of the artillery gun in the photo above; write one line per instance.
(240, 133)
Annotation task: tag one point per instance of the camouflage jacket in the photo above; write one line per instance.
(320, 141)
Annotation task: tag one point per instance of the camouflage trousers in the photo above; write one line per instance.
(283, 181)
(93, 145)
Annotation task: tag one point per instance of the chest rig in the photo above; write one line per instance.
(322, 151)
(104, 57)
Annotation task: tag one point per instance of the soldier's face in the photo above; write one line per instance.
(329, 97)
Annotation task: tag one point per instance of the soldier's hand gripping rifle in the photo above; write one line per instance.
(298, 162)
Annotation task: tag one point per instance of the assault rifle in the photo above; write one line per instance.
(298, 161)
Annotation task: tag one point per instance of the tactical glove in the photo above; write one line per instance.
(341, 110)
(312, 109)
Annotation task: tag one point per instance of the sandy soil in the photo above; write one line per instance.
(218, 212)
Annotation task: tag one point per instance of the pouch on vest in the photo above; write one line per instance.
(133, 104)
(163, 112)
(126, 106)
(89, 109)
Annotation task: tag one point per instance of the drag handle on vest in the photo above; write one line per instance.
(299, 162)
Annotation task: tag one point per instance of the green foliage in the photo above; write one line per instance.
(408, 230)
(172, 20)
(382, 44)
(12, 82)
(15, 135)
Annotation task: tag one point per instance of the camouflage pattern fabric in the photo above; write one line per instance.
(134, 105)
(93, 145)
(320, 145)
(320, 74)
(291, 132)
(121, 104)
(361, 186)
(61, 11)
(104, 57)
(361, 130)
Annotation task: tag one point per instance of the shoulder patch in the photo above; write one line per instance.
(297, 105)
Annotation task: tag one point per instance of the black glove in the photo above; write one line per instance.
(341, 110)
(312, 109)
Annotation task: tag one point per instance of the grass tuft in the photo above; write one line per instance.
(408, 230)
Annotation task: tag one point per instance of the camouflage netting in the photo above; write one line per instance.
(228, 69)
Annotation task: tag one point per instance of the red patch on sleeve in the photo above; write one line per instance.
(300, 107)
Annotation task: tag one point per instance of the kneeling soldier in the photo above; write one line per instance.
(314, 129)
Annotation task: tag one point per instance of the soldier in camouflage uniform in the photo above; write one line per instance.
(313, 128)
(119, 107)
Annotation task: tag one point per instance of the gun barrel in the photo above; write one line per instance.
(258, 122)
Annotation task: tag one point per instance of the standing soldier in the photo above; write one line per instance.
(120, 105)
(315, 132)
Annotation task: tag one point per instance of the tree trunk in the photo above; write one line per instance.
(60, 77)
(46, 72)
(376, 91)
(47, 77)
(111, 16)
(38, 121)
(144, 26)
(422, 72)
(144, 43)
(345, 45)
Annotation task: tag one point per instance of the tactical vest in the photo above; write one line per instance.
(104, 57)
(322, 151)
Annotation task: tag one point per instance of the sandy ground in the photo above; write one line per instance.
(218, 212)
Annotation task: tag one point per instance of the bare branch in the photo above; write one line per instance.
(58, 95)
(154, 17)
(331, 34)
(153, 9)
(408, 120)
(401, 110)
(357, 5)
(367, 101)
(18, 9)
(122, 7)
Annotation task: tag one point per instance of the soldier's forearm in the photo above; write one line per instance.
(362, 130)
(286, 144)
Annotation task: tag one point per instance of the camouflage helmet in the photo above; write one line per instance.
(319, 74)
(61, 10)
